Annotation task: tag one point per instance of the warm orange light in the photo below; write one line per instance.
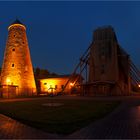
(53, 84)
(71, 84)
(16, 25)
(139, 85)
(49, 85)
(8, 81)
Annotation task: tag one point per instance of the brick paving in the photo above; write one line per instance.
(123, 123)
(12, 129)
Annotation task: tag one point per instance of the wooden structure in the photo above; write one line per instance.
(108, 69)
(109, 65)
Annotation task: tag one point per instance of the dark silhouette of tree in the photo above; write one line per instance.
(41, 73)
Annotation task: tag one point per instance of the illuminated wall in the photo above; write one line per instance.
(55, 85)
(17, 66)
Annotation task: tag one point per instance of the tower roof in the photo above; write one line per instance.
(17, 22)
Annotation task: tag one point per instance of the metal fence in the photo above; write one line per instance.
(14, 91)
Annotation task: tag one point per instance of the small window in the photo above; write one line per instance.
(13, 50)
(14, 35)
(23, 42)
(62, 86)
(12, 65)
(55, 86)
(45, 83)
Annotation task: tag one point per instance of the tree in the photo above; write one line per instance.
(41, 73)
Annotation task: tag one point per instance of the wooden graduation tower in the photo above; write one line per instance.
(109, 67)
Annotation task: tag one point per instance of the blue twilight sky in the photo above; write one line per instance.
(60, 31)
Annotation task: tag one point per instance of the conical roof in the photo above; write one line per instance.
(17, 22)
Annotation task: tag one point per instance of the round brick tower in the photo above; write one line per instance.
(17, 70)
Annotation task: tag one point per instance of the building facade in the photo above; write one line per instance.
(17, 71)
(56, 85)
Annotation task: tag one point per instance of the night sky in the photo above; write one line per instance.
(59, 32)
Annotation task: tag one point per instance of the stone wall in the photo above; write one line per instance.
(17, 66)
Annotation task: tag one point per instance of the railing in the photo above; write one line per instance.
(13, 92)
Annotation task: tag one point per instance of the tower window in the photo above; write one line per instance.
(12, 65)
(62, 86)
(23, 42)
(13, 50)
(14, 35)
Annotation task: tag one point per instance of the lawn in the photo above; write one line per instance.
(65, 119)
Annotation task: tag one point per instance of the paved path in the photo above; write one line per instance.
(123, 123)
(12, 129)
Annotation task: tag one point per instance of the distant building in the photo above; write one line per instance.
(109, 67)
(55, 85)
(17, 72)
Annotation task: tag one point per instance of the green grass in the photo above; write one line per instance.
(65, 119)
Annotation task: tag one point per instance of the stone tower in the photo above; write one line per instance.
(108, 64)
(17, 70)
